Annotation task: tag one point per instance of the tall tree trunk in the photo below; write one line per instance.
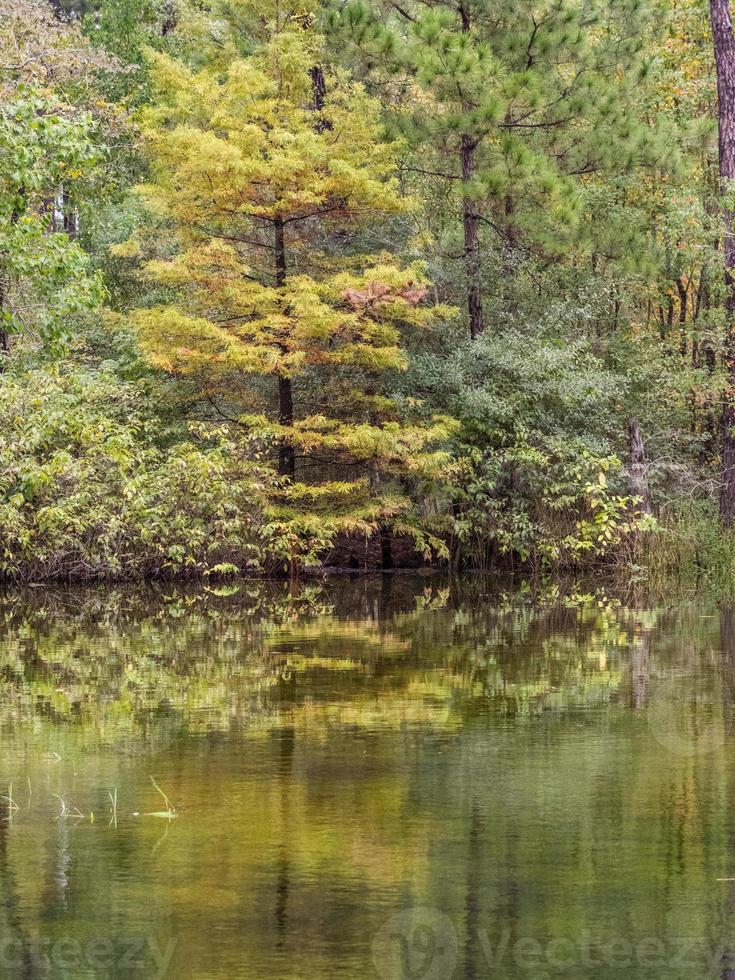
(386, 548)
(286, 455)
(724, 47)
(471, 241)
(700, 300)
(637, 471)
(470, 217)
(682, 289)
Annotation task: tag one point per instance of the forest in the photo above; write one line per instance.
(291, 284)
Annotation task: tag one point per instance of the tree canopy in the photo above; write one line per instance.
(423, 282)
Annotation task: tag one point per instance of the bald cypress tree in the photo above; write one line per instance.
(264, 168)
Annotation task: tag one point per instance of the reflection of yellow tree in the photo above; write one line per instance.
(264, 657)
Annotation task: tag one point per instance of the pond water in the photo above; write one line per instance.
(384, 778)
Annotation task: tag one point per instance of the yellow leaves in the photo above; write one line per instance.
(295, 324)
(233, 320)
(247, 84)
(388, 292)
(131, 249)
(202, 154)
(310, 492)
(313, 322)
(153, 197)
(168, 273)
(422, 241)
(372, 358)
(245, 139)
(394, 447)
(200, 174)
(175, 341)
(218, 269)
(290, 55)
(170, 74)
(180, 343)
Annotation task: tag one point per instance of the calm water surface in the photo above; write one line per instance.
(378, 778)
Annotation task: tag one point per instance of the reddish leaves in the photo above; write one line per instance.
(379, 294)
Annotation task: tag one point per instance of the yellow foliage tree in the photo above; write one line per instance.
(265, 169)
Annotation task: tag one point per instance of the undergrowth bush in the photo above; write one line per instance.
(90, 488)
(691, 549)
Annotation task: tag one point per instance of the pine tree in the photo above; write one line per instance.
(264, 169)
(510, 108)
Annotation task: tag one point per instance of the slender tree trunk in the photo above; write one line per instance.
(682, 289)
(701, 291)
(724, 47)
(471, 241)
(286, 455)
(637, 472)
(470, 217)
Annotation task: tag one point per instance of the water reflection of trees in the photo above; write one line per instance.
(537, 791)
(389, 651)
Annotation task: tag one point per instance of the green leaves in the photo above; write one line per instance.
(50, 282)
(46, 277)
(89, 492)
(40, 148)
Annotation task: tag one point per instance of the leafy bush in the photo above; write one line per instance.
(89, 492)
(541, 481)
(691, 549)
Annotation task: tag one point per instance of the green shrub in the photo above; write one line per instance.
(691, 549)
(540, 423)
(91, 489)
